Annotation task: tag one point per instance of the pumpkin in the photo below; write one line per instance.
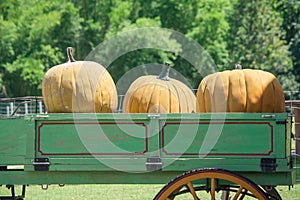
(79, 86)
(240, 90)
(159, 94)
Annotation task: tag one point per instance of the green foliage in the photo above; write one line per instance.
(8, 37)
(290, 12)
(210, 28)
(255, 33)
(25, 76)
(139, 43)
(255, 40)
(31, 43)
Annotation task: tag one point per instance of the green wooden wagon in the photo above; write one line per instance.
(236, 154)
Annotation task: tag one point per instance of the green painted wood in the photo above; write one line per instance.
(297, 168)
(144, 116)
(112, 177)
(13, 135)
(69, 138)
(126, 164)
(135, 164)
(154, 129)
(204, 139)
(236, 135)
(231, 164)
(81, 145)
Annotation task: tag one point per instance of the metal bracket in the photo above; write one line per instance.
(296, 138)
(45, 187)
(153, 164)
(268, 164)
(42, 116)
(281, 121)
(268, 116)
(41, 164)
(154, 116)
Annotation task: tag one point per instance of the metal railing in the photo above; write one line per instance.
(20, 106)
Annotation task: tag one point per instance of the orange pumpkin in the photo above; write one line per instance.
(152, 94)
(240, 90)
(79, 86)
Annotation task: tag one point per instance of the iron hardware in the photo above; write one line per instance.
(268, 164)
(41, 164)
(270, 116)
(281, 121)
(154, 116)
(153, 164)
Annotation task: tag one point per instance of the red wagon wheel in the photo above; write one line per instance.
(214, 182)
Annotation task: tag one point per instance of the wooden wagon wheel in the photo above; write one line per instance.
(212, 181)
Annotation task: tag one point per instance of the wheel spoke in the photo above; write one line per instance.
(237, 186)
(175, 191)
(225, 195)
(244, 194)
(213, 189)
(237, 194)
(192, 190)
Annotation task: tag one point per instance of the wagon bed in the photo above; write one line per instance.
(146, 148)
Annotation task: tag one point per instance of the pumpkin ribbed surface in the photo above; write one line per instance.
(79, 86)
(244, 90)
(148, 94)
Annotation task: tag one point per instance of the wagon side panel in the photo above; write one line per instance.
(13, 139)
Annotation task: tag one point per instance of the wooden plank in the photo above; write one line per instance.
(13, 136)
(229, 138)
(88, 138)
(112, 177)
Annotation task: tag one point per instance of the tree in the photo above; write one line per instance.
(204, 22)
(32, 48)
(94, 22)
(35, 34)
(210, 28)
(290, 12)
(8, 35)
(124, 16)
(255, 40)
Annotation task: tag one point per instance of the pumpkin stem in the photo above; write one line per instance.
(70, 54)
(164, 75)
(238, 66)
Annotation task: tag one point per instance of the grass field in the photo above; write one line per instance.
(114, 192)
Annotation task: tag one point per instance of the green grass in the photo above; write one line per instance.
(111, 192)
(292, 194)
(83, 192)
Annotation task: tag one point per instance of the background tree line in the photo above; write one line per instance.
(259, 34)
